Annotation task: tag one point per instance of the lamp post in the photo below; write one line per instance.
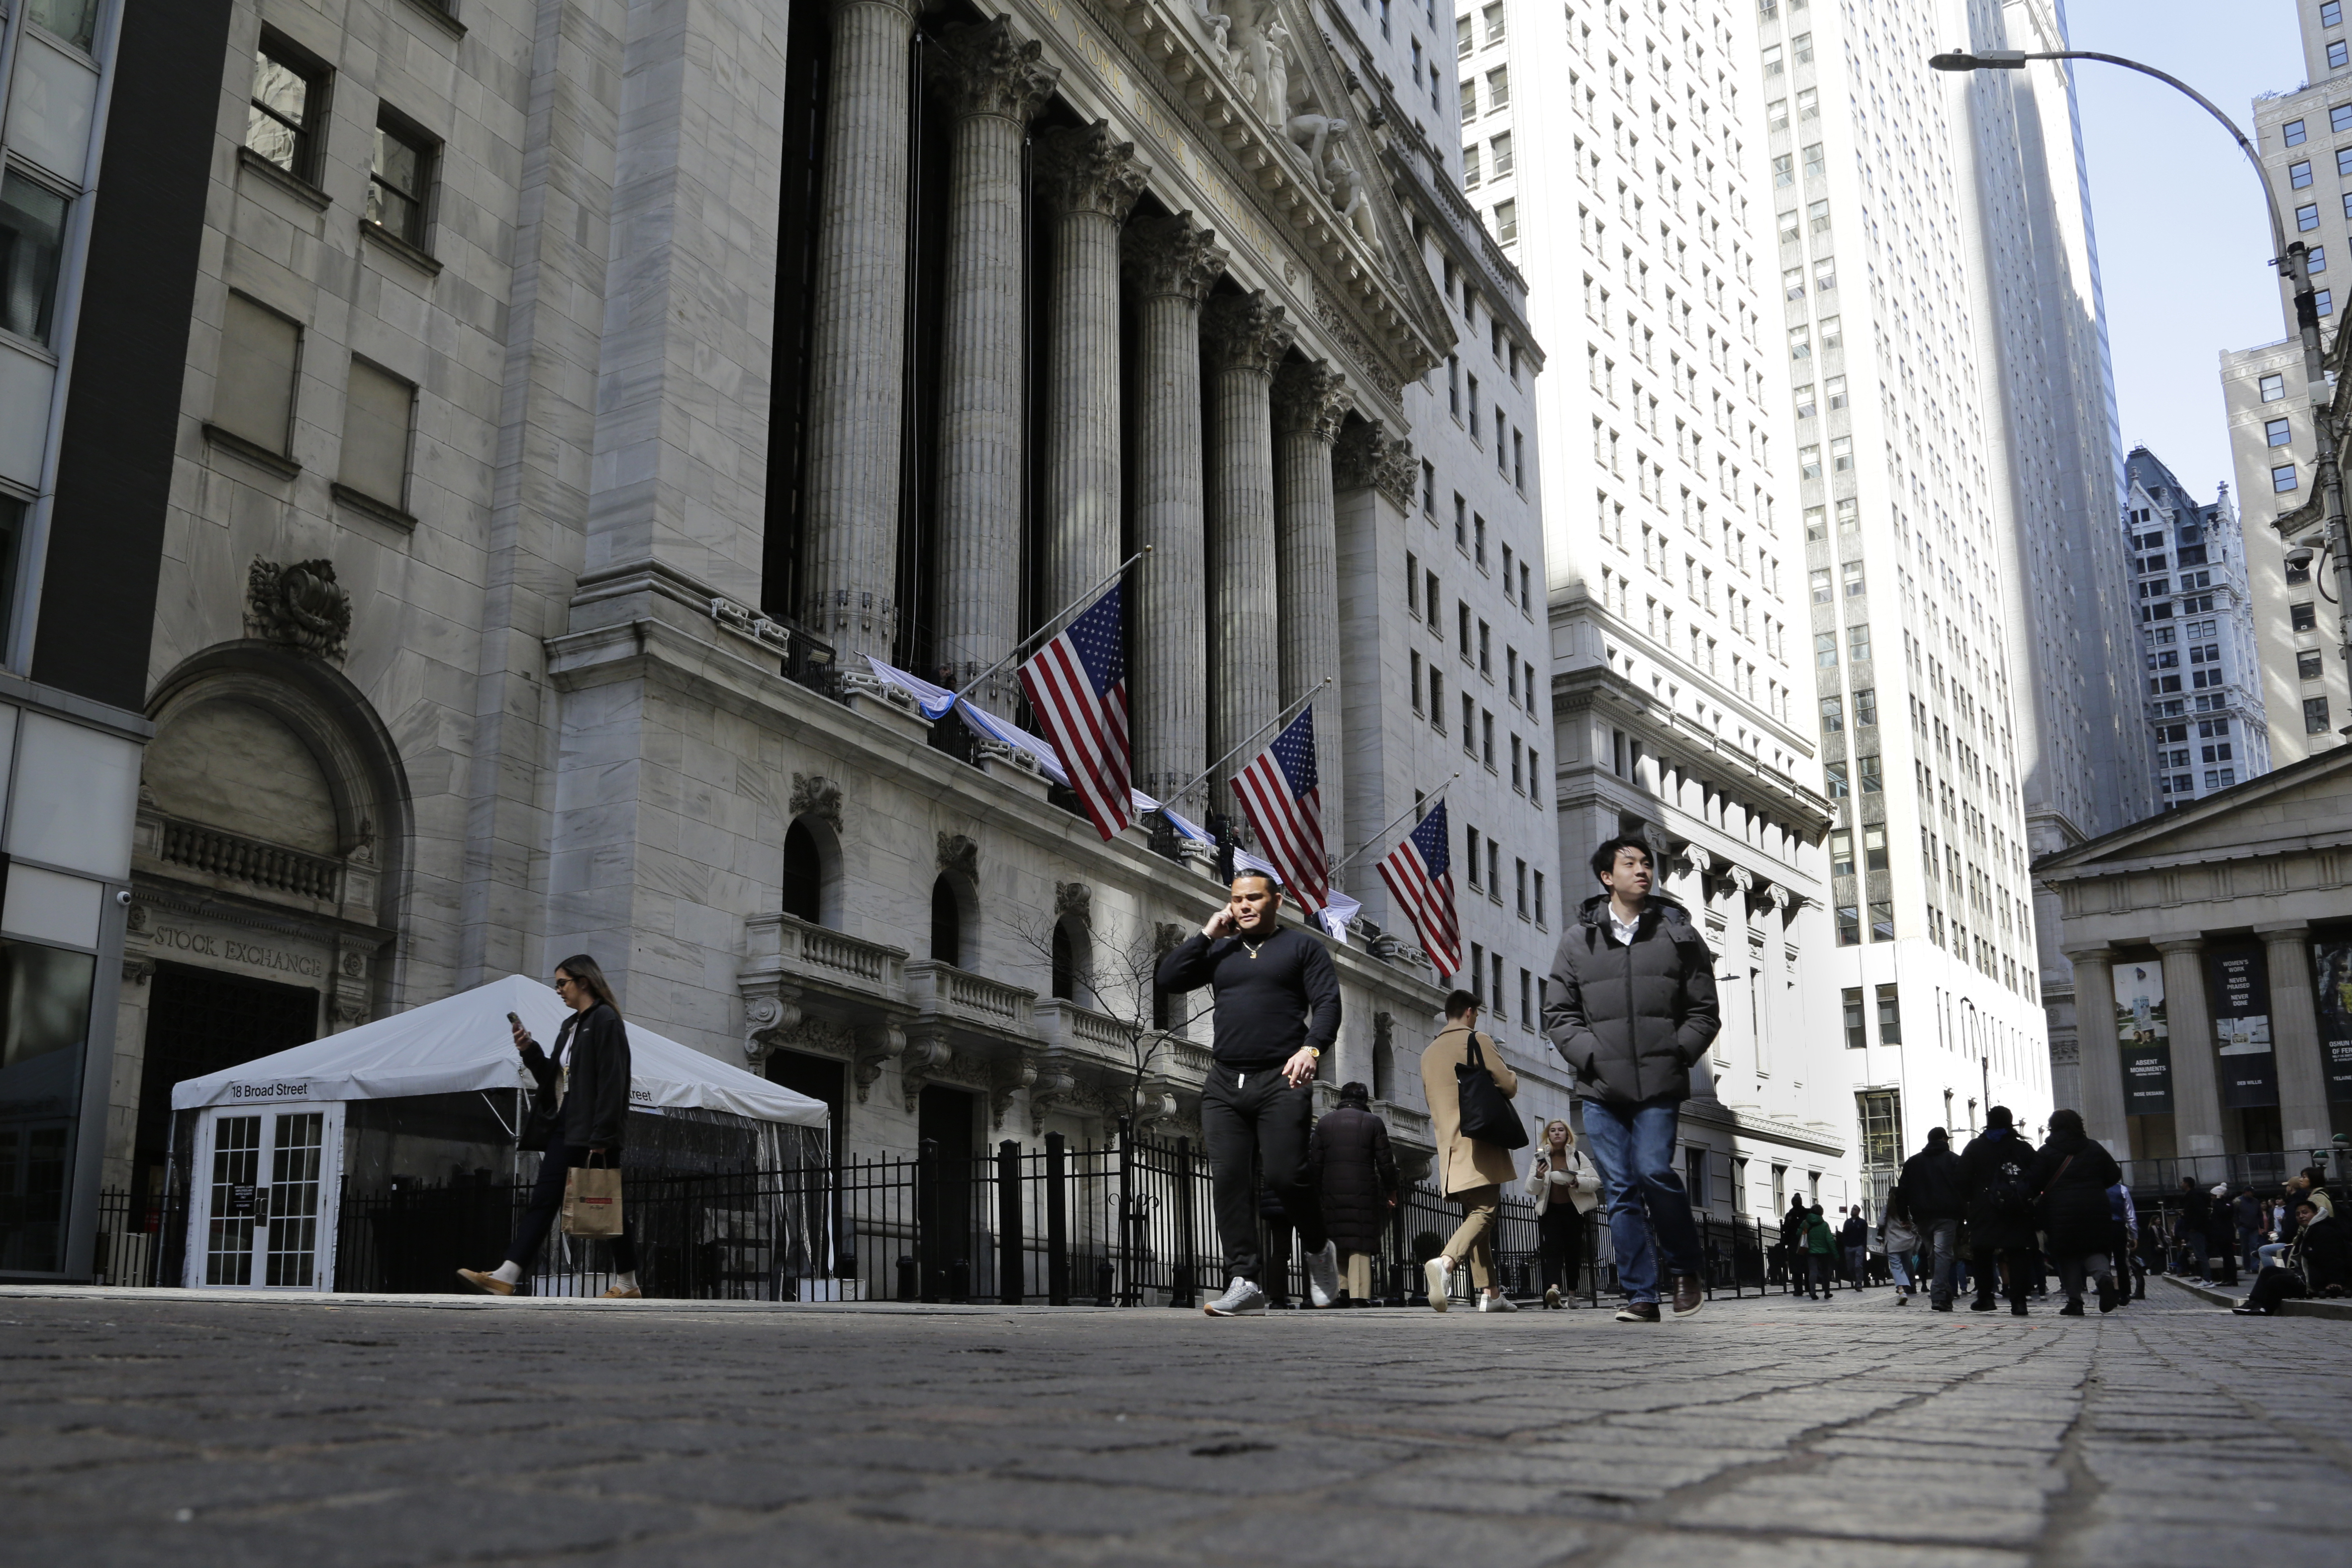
(2291, 261)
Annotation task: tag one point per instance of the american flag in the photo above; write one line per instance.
(1280, 797)
(1077, 685)
(1420, 875)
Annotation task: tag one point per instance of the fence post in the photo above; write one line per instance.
(1012, 1255)
(929, 1231)
(1057, 1224)
(1182, 1273)
(1131, 1294)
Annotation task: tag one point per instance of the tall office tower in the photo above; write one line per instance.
(2305, 141)
(1677, 649)
(2205, 722)
(1905, 390)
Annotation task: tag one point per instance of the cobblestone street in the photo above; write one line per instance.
(156, 1427)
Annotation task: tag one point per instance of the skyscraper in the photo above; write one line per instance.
(1682, 710)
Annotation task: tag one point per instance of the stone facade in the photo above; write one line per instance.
(681, 461)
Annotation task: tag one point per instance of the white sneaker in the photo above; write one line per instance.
(1438, 1275)
(1497, 1303)
(1323, 1275)
(1242, 1299)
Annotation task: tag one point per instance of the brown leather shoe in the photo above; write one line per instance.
(1688, 1298)
(1638, 1312)
(482, 1280)
(616, 1294)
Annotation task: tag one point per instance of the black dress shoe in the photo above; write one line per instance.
(2249, 1311)
(2071, 1309)
(1981, 1304)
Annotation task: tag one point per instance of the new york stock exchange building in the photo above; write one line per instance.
(588, 410)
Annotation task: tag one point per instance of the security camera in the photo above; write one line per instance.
(122, 896)
(2299, 558)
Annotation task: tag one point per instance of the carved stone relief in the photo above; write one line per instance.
(961, 855)
(816, 796)
(300, 606)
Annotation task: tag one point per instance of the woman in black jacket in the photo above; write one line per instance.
(1350, 1163)
(2071, 1174)
(585, 1080)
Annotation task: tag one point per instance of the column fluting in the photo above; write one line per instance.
(993, 82)
(2303, 1116)
(1310, 401)
(856, 378)
(1172, 262)
(1092, 181)
(2098, 1061)
(2189, 1023)
(1247, 337)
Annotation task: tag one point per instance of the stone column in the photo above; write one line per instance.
(992, 83)
(2098, 1059)
(2188, 1018)
(1247, 338)
(2304, 1115)
(1172, 262)
(1092, 182)
(856, 378)
(1308, 403)
(1374, 480)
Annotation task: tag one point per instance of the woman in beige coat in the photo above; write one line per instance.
(1470, 1173)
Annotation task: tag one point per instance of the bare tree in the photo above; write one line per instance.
(1113, 974)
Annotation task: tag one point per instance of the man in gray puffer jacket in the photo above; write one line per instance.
(1631, 1008)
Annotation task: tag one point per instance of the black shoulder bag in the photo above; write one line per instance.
(1488, 1113)
(545, 1119)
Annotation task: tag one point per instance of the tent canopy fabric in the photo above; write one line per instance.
(462, 1043)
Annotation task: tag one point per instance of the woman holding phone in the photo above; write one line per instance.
(583, 1103)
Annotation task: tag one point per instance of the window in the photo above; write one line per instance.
(1816, 523)
(253, 389)
(1840, 854)
(1870, 782)
(2278, 432)
(1429, 597)
(2339, 54)
(32, 237)
(1470, 853)
(1416, 684)
(1818, 216)
(2298, 176)
(1841, 455)
(1470, 726)
(2283, 478)
(2273, 388)
(1806, 406)
(378, 413)
(1890, 1016)
(1833, 331)
(2315, 261)
(1486, 740)
(2324, 302)
(1463, 42)
(1501, 148)
(1857, 1034)
(288, 97)
(1773, 63)
(1857, 644)
(1848, 925)
(2305, 617)
(1825, 649)
(1849, 515)
(1816, 166)
(1521, 886)
(1809, 463)
(1506, 221)
(399, 178)
(1539, 898)
(1478, 964)
(1800, 342)
(1437, 700)
(2294, 132)
(2339, 118)
(2331, 14)
(1882, 920)
(1462, 629)
(1821, 581)
(1776, 115)
(1835, 774)
(1469, 98)
(1834, 390)
(1865, 707)
(2307, 217)
(1873, 843)
(1470, 166)
(1801, 50)
(1499, 89)
(2308, 664)
(1784, 172)
(1494, 14)
(2314, 715)
(1832, 715)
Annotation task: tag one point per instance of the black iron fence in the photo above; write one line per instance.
(1129, 1223)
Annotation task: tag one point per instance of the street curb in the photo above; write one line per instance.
(2292, 1307)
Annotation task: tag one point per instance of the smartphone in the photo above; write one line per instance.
(516, 1019)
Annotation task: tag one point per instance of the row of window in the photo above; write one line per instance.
(253, 392)
(1478, 730)
(1482, 856)
(286, 124)
(1489, 994)
(1498, 94)
(1890, 1024)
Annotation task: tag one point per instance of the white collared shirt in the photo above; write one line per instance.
(1624, 932)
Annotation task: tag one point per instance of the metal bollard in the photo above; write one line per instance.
(910, 1287)
(959, 1281)
(1103, 1280)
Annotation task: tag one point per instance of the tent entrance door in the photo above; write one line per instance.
(267, 1183)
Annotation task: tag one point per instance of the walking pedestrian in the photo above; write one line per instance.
(2318, 1263)
(1565, 1188)
(1853, 1241)
(2131, 1273)
(2071, 1175)
(2222, 1236)
(1996, 1170)
(1278, 1010)
(1900, 1239)
(1631, 1007)
(1820, 1256)
(1936, 1192)
(2189, 1235)
(1354, 1172)
(1792, 1245)
(2246, 1211)
(1470, 1171)
(583, 1089)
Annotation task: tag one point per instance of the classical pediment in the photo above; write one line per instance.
(2306, 805)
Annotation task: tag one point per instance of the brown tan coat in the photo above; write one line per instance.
(1464, 1162)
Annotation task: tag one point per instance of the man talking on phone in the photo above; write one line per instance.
(1278, 1011)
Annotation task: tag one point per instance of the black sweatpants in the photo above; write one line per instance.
(1258, 1119)
(547, 1201)
(1559, 1245)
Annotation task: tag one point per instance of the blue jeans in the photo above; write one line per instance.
(1944, 1261)
(1895, 1266)
(1649, 1211)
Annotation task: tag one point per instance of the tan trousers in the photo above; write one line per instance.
(1360, 1277)
(1470, 1242)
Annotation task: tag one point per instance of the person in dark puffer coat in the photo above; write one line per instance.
(1995, 1169)
(1349, 1161)
(2071, 1174)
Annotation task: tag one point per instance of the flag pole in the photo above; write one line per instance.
(1050, 621)
(1280, 716)
(1400, 817)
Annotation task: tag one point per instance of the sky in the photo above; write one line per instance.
(2184, 246)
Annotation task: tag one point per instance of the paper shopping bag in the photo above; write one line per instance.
(592, 1201)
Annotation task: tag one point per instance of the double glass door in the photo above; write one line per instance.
(266, 1181)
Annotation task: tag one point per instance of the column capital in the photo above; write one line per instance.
(2180, 942)
(1368, 456)
(1172, 255)
(1083, 170)
(1248, 332)
(987, 69)
(1310, 397)
(2283, 931)
(2089, 954)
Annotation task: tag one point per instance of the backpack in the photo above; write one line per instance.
(2007, 1194)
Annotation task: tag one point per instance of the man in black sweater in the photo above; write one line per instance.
(1277, 999)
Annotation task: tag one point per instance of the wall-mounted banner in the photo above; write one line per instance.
(2143, 1040)
(2238, 987)
(2331, 969)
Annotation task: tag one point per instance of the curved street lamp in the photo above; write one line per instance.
(2290, 260)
